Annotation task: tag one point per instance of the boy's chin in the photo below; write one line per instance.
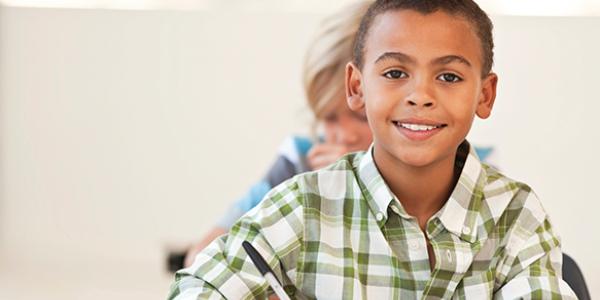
(421, 158)
(416, 160)
(408, 158)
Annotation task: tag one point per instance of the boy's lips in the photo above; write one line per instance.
(418, 129)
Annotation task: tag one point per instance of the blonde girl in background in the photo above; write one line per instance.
(340, 130)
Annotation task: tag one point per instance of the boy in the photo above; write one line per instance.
(417, 215)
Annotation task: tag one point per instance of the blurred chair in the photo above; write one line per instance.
(574, 277)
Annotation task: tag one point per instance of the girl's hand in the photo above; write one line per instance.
(321, 155)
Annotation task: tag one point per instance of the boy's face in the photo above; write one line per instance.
(421, 85)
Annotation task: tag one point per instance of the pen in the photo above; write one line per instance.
(265, 270)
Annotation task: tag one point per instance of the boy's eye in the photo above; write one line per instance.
(395, 74)
(449, 77)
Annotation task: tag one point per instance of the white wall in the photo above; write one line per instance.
(544, 123)
(124, 133)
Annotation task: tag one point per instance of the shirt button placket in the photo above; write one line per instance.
(414, 245)
(466, 230)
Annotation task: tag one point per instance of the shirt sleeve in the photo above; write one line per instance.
(536, 271)
(223, 270)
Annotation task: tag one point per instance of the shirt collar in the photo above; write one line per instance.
(459, 213)
(375, 190)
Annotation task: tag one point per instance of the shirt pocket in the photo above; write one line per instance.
(478, 285)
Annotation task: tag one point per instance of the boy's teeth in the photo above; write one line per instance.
(417, 127)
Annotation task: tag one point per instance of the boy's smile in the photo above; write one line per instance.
(418, 129)
(421, 85)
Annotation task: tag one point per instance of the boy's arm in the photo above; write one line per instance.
(535, 272)
(223, 270)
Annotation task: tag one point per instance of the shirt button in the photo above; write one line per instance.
(466, 230)
(449, 255)
(379, 216)
(414, 245)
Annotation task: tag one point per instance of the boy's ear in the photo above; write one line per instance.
(354, 94)
(487, 96)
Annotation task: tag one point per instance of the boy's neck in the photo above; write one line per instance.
(422, 191)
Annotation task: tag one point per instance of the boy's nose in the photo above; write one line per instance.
(424, 102)
(420, 96)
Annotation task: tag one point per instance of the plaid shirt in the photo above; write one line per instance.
(340, 233)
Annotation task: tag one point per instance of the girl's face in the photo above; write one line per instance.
(346, 128)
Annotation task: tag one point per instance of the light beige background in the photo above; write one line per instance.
(126, 133)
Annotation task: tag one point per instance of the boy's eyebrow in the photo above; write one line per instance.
(397, 56)
(444, 60)
(404, 58)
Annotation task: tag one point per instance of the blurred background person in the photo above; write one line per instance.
(337, 129)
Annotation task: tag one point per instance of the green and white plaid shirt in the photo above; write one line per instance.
(339, 233)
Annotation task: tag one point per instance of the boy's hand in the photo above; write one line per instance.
(321, 155)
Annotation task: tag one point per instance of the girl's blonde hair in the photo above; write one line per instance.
(327, 56)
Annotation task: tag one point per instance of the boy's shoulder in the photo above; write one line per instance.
(328, 182)
(510, 202)
(333, 180)
(325, 188)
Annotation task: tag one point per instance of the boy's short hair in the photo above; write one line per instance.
(467, 9)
